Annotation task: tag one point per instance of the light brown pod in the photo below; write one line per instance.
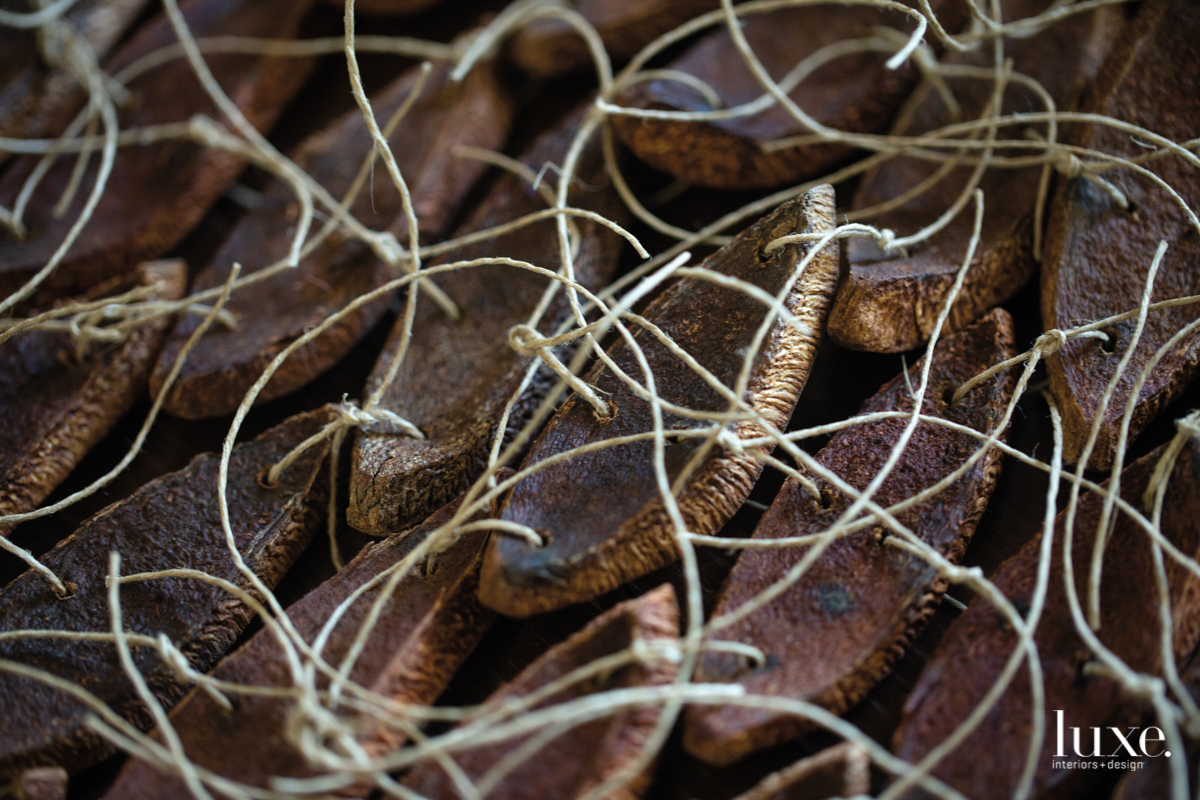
(33, 92)
(891, 302)
(457, 376)
(54, 409)
(843, 770)
(549, 47)
(854, 93)
(834, 634)
(1098, 254)
(274, 313)
(156, 193)
(600, 512)
(431, 624)
(587, 754)
(171, 522)
(973, 653)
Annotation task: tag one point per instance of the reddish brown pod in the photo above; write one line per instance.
(585, 755)
(989, 763)
(156, 193)
(1098, 254)
(854, 93)
(275, 312)
(600, 513)
(890, 302)
(431, 623)
(548, 47)
(457, 376)
(391, 8)
(55, 408)
(835, 633)
(169, 523)
(843, 770)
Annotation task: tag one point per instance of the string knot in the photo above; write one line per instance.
(377, 420)
(1068, 164)
(1050, 342)
(526, 340)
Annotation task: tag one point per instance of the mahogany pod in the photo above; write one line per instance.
(836, 632)
(429, 626)
(890, 302)
(1098, 254)
(457, 376)
(600, 512)
(54, 408)
(974, 651)
(273, 313)
(169, 523)
(589, 753)
(157, 193)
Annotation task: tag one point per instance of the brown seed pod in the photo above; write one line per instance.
(971, 657)
(1098, 254)
(54, 409)
(843, 770)
(890, 302)
(272, 314)
(157, 193)
(170, 522)
(600, 512)
(457, 376)
(396, 8)
(587, 754)
(549, 47)
(835, 633)
(430, 625)
(854, 93)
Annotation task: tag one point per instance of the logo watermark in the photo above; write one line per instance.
(1130, 747)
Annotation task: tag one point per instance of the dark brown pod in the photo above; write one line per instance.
(33, 92)
(53, 409)
(274, 313)
(854, 93)
(41, 783)
(587, 754)
(391, 8)
(431, 624)
(973, 654)
(458, 376)
(1098, 254)
(890, 303)
(601, 511)
(837, 631)
(170, 522)
(548, 47)
(843, 770)
(157, 193)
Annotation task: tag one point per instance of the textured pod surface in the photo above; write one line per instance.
(457, 376)
(1098, 254)
(274, 313)
(843, 770)
(600, 511)
(890, 302)
(548, 47)
(587, 754)
(837, 631)
(54, 409)
(854, 93)
(389, 7)
(34, 92)
(172, 522)
(973, 654)
(156, 193)
(431, 623)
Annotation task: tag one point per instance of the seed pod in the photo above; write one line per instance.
(398, 8)
(55, 409)
(600, 512)
(457, 376)
(973, 654)
(272, 314)
(854, 93)
(171, 522)
(157, 193)
(890, 302)
(587, 754)
(429, 626)
(843, 770)
(835, 633)
(1098, 253)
